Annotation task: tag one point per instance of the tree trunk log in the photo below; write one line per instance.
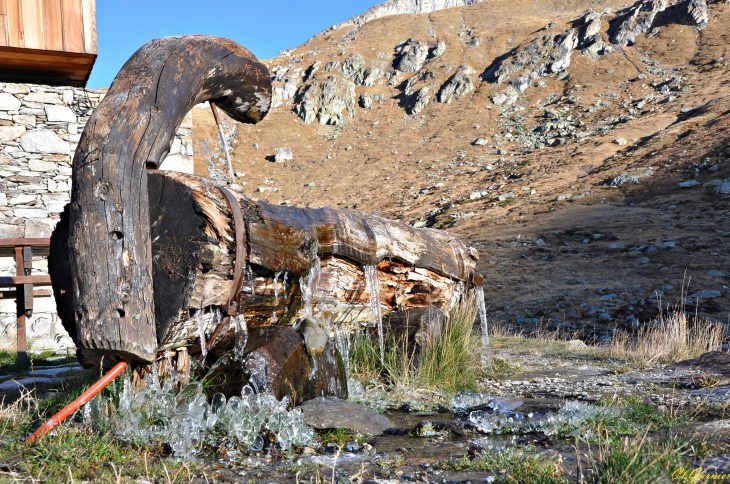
(132, 128)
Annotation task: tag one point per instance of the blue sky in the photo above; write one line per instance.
(264, 27)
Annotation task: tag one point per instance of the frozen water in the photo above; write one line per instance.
(571, 419)
(463, 401)
(201, 331)
(342, 342)
(372, 282)
(479, 293)
(241, 336)
(308, 285)
(276, 296)
(186, 421)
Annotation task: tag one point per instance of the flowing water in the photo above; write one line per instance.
(241, 336)
(201, 331)
(372, 282)
(276, 296)
(308, 286)
(479, 293)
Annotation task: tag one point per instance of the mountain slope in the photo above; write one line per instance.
(552, 135)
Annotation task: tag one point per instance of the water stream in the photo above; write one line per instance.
(276, 296)
(241, 336)
(372, 282)
(201, 331)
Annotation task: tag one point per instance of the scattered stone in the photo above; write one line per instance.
(577, 343)
(620, 141)
(724, 188)
(283, 154)
(563, 197)
(642, 260)
(689, 184)
(505, 196)
(334, 413)
(617, 246)
(480, 142)
(714, 273)
(706, 294)
(475, 195)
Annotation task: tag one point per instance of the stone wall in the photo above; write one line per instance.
(40, 127)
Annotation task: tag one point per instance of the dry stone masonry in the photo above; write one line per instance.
(40, 127)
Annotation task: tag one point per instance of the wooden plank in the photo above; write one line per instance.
(16, 280)
(73, 26)
(12, 293)
(70, 55)
(29, 242)
(32, 16)
(3, 24)
(52, 25)
(15, 24)
(43, 57)
(89, 20)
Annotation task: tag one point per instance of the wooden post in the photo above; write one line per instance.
(21, 297)
(132, 129)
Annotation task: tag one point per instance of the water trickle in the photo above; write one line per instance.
(308, 285)
(249, 276)
(342, 343)
(241, 336)
(286, 294)
(372, 282)
(201, 332)
(276, 296)
(479, 293)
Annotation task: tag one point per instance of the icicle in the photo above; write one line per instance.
(201, 332)
(342, 342)
(479, 293)
(308, 286)
(372, 282)
(241, 336)
(276, 296)
(249, 276)
(286, 294)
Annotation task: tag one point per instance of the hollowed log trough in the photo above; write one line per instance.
(144, 262)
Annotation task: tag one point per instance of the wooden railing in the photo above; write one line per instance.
(23, 282)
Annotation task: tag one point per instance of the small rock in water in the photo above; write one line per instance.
(335, 413)
(283, 154)
(315, 339)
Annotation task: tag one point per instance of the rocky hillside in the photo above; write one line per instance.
(582, 147)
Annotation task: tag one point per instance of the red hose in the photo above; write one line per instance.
(84, 398)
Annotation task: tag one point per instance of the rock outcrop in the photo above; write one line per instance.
(399, 7)
(411, 56)
(637, 21)
(326, 100)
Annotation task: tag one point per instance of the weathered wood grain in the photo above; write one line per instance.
(131, 129)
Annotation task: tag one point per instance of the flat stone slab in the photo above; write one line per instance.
(335, 413)
(717, 362)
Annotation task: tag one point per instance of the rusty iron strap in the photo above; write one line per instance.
(241, 255)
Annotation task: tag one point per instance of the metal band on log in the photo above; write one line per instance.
(131, 129)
